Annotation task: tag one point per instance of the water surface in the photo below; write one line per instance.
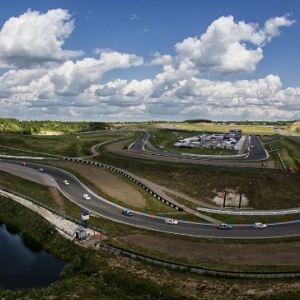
(22, 267)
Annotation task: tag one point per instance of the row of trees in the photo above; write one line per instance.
(247, 122)
(11, 125)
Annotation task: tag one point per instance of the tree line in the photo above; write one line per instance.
(11, 125)
(246, 122)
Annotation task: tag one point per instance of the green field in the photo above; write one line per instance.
(220, 127)
(61, 145)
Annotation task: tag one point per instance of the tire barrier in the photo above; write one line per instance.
(56, 212)
(123, 173)
(198, 270)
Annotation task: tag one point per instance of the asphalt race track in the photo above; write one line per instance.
(55, 177)
(256, 153)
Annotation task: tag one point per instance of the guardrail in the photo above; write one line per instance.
(249, 213)
(198, 270)
(28, 157)
(123, 173)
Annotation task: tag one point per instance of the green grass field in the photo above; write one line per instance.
(64, 145)
(219, 127)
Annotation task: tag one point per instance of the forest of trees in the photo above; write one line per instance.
(11, 125)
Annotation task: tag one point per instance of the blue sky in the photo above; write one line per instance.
(140, 60)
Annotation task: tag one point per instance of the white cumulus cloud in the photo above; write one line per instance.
(35, 38)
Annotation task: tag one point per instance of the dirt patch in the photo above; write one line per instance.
(235, 254)
(108, 183)
(295, 126)
(232, 199)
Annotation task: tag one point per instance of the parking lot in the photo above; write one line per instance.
(234, 140)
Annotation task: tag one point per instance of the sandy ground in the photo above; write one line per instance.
(108, 183)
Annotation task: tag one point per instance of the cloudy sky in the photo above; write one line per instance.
(133, 60)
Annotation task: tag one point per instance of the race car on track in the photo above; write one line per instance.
(127, 212)
(171, 221)
(87, 196)
(224, 226)
(259, 225)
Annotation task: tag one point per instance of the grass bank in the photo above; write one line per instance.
(88, 274)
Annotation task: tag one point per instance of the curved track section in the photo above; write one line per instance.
(107, 209)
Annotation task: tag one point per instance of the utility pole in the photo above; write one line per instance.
(240, 203)
(225, 194)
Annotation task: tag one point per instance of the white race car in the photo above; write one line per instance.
(225, 226)
(87, 196)
(171, 221)
(259, 225)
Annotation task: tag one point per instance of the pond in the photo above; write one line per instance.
(24, 268)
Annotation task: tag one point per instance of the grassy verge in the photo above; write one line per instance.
(28, 188)
(289, 152)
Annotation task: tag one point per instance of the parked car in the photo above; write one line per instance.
(127, 212)
(66, 182)
(87, 196)
(23, 164)
(41, 170)
(171, 221)
(259, 225)
(224, 226)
